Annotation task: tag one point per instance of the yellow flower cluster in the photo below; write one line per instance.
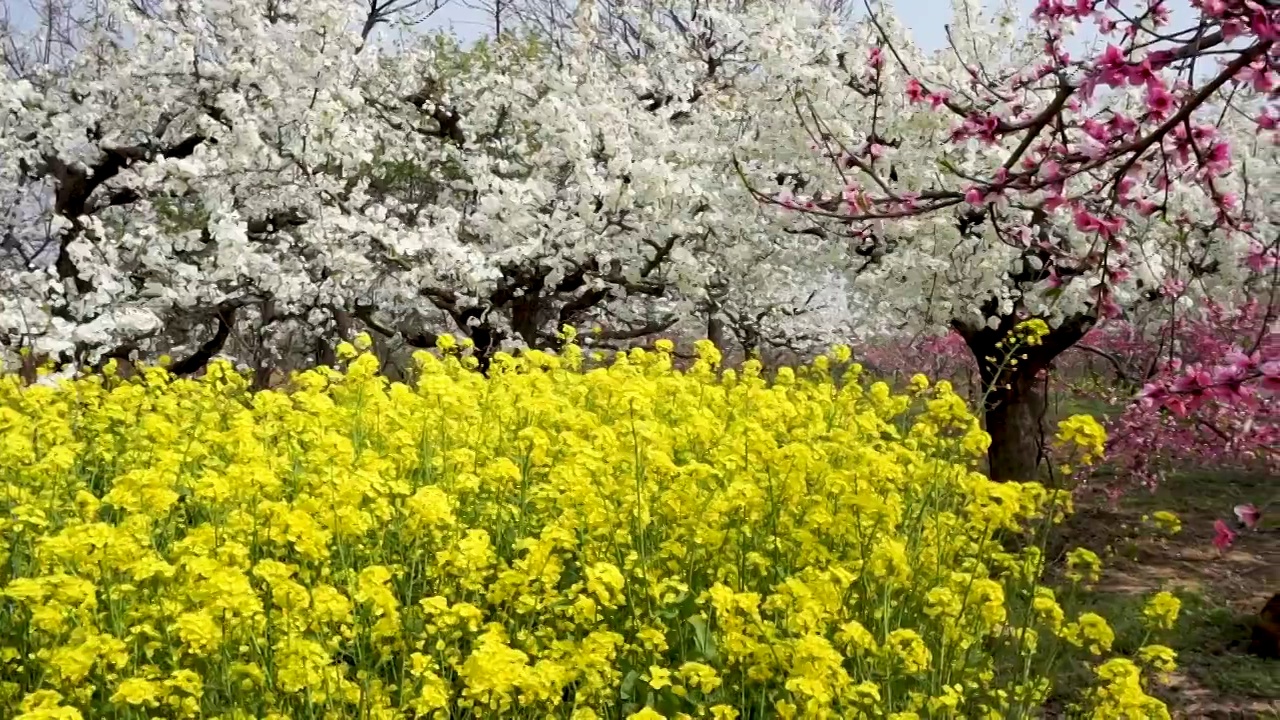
(550, 540)
(1165, 522)
(1120, 693)
(1031, 332)
(1083, 434)
(1161, 610)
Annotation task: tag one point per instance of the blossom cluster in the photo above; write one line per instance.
(1197, 389)
(565, 536)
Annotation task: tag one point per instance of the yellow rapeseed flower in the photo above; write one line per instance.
(561, 536)
(1161, 610)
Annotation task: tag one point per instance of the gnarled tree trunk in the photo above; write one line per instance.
(1016, 405)
(1015, 418)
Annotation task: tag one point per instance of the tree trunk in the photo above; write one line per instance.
(715, 331)
(326, 345)
(526, 319)
(262, 363)
(1015, 407)
(29, 370)
(1015, 420)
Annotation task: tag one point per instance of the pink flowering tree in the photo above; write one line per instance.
(1218, 405)
(1197, 390)
(1008, 177)
(899, 356)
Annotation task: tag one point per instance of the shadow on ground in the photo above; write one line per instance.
(1222, 592)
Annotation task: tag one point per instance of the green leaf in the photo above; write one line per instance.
(629, 681)
(702, 637)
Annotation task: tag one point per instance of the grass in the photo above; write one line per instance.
(1221, 592)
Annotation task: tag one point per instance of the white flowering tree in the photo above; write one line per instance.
(199, 161)
(196, 164)
(170, 173)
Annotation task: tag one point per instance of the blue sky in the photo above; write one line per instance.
(926, 18)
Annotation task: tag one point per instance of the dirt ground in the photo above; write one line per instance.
(1222, 592)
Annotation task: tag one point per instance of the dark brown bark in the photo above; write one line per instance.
(326, 347)
(715, 331)
(262, 366)
(1015, 402)
(29, 370)
(526, 319)
(1016, 423)
(205, 353)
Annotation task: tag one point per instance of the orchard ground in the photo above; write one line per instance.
(1221, 591)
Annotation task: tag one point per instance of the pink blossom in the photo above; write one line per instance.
(876, 57)
(1159, 101)
(1110, 308)
(1208, 409)
(1112, 66)
(1111, 226)
(1172, 287)
(1239, 359)
(1152, 393)
(1113, 56)
(1271, 376)
(1096, 130)
(1218, 159)
(1223, 537)
(1266, 25)
(1125, 187)
(1233, 29)
(1193, 382)
(915, 91)
(1053, 202)
(1248, 514)
(854, 200)
(1085, 221)
(1143, 74)
(1122, 125)
(1261, 258)
(1214, 8)
(973, 196)
(1159, 13)
(1259, 76)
